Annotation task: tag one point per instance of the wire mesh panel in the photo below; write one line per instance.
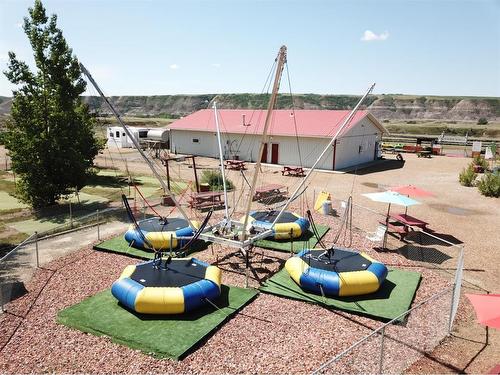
(363, 358)
(456, 289)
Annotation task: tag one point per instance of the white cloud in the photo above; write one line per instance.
(370, 36)
(174, 66)
(216, 65)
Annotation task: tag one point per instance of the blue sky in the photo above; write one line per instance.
(334, 47)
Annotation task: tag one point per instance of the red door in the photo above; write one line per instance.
(274, 153)
(263, 159)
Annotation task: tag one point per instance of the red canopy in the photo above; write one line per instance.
(487, 308)
(412, 191)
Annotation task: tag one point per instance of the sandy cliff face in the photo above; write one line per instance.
(383, 106)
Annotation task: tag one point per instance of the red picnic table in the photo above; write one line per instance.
(235, 164)
(206, 199)
(293, 171)
(409, 221)
(271, 190)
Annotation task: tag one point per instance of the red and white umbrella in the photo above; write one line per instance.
(487, 308)
(412, 191)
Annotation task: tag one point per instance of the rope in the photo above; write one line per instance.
(293, 113)
(315, 229)
(345, 221)
(145, 200)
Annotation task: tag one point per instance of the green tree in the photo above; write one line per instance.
(50, 136)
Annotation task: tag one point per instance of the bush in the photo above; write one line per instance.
(467, 176)
(489, 185)
(214, 180)
(478, 160)
(482, 121)
(411, 122)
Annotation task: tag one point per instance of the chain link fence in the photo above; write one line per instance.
(394, 346)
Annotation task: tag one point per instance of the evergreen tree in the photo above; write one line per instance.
(50, 135)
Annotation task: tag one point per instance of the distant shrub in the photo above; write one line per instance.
(467, 176)
(482, 121)
(214, 180)
(411, 122)
(2, 138)
(385, 121)
(489, 185)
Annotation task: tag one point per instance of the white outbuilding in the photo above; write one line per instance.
(296, 138)
(118, 138)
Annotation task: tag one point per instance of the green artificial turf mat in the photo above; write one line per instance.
(391, 300)
(162, 336)
(307, 240)
(120, 246)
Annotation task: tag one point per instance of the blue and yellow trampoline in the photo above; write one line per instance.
(336, 272)
(160, 233)
(167, 286)
(289, 225)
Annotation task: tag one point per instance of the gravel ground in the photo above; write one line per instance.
(269, 335)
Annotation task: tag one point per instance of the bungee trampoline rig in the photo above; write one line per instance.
(172, 286)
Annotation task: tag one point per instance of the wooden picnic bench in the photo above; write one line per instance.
(270, 191)
(207, 199)
(293, 171)
(424, 154)
(237, 165)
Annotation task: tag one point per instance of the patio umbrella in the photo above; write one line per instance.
(391, 197)
(412, 191)
(487, 308)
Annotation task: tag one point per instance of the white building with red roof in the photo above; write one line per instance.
(296, 138)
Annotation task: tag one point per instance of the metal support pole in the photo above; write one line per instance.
(221, 160)
(195, 175)
(98, 226)
(381, 356)
(143, 209)
(36, 250)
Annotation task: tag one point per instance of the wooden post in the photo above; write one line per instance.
(195, 175)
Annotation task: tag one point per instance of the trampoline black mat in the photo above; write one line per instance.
(270, 216)
(342, 260)
(156, 224)
(179, 272)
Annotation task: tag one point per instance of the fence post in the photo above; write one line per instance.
(36, 250)
(381, 356)
(98, 226)
(70, 216)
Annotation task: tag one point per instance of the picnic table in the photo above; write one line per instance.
(271, 190)
(410, 221)
(293, 171)
(206, 200)
(237, 165)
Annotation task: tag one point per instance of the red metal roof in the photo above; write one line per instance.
(310, 123)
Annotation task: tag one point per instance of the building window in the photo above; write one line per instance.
(196, 140)
(111, 134)
(143, 133)
(117, 134)
(123, 134)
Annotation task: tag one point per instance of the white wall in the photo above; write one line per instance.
(364, 133)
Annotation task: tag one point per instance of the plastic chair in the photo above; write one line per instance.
(378, 235)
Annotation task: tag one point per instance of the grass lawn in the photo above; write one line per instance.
(392, 299)
(8, 202)
(160, 335)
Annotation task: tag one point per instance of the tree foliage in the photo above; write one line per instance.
(50, 136)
